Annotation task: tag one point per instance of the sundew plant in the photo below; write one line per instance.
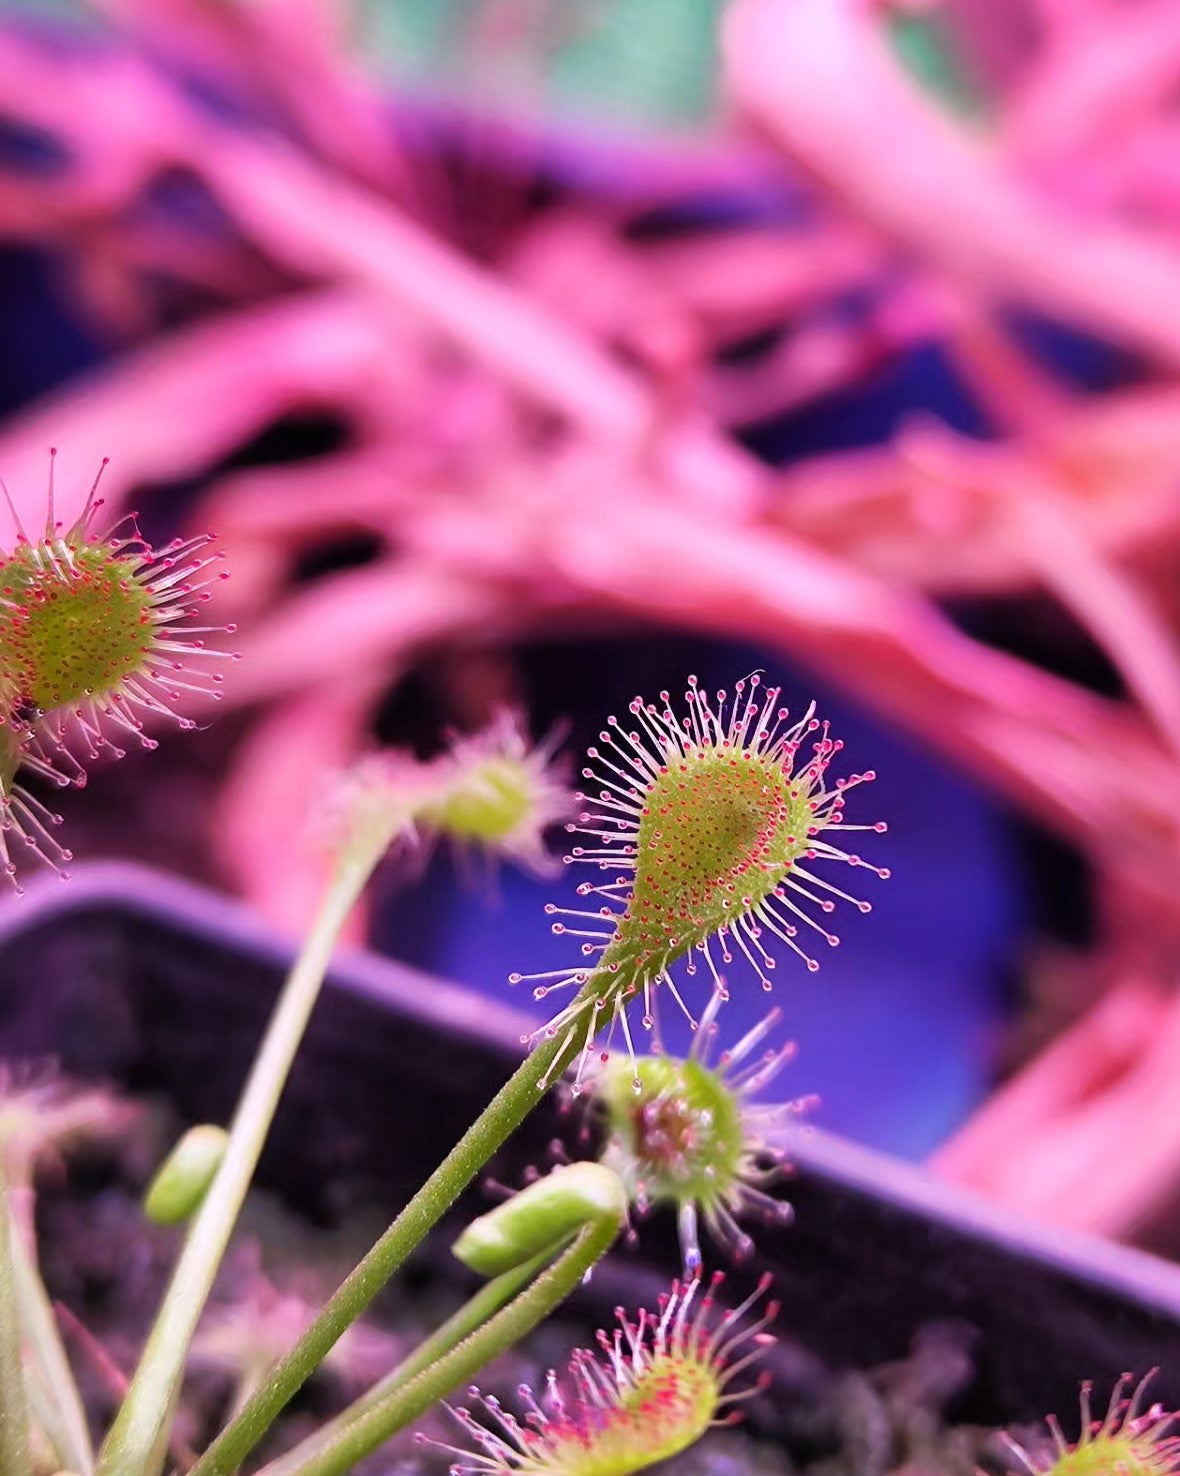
(712, 834)
(99, 634)
(1132, 1438)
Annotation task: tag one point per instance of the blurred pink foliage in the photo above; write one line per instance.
(540, 428)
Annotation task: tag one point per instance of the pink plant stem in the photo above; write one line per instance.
(1110, 1162)
(1116, 461)
(1140, 1145)
(739, 279)
(292, 55)
(1099, 78)
(1106, 601)
(171, 408)
(316, 224)
(815, 78)
(376, 615)
(1102, 1046)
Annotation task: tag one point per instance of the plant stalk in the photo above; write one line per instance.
(504, 1114)
(471, 1315)
(15, 1459)
(138, 1439)
(360, 1436)
(52, 1386)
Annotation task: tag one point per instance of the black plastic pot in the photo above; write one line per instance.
(133, 977)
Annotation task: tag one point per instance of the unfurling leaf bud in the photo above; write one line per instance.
(183, 1179)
